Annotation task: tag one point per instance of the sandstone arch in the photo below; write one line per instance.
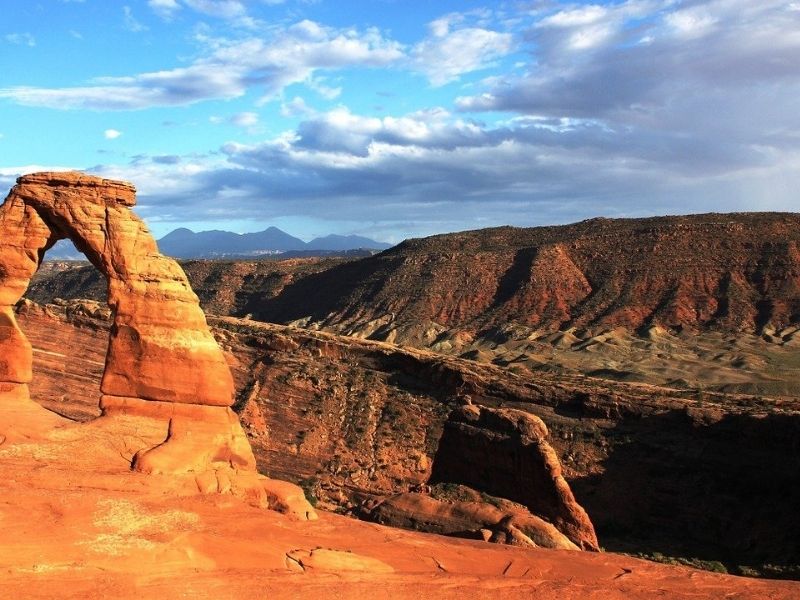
(162, 360)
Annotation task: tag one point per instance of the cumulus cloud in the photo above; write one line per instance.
(111, 134)
(21, 39)
(709, 92)
(631, 108)
(228, 70)
(448, 52)
(432, 170)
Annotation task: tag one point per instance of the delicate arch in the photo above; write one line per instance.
(160, 347)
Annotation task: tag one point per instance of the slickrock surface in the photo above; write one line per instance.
(357, 422)
(162, 362)
(78, 524)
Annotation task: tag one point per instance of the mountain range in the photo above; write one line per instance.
(184, 243)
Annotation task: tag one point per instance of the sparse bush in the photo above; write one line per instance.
(309, 487)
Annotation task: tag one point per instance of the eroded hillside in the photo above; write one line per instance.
(708, 302)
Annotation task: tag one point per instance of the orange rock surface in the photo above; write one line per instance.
(78, 524)
(162, 364)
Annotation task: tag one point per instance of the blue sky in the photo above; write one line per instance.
(403, 118)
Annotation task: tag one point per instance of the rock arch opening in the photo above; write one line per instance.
(162, 360)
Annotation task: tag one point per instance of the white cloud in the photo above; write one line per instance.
(21, 39)
(635, 107)
(224, 9)
(8, 175)
(228, 70)
(441, 27)
(329, 93)
(111, 134)
(76, 34)
(659, 65)
(296, 107)
(245, 119)
(130, 22)
(447, 53)
(165, 9)
(575, 17)
(431, 171)
(690, 23)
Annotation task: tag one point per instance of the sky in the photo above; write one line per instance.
(405, 118)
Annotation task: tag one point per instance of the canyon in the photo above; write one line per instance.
(595, 386)
(358, 424)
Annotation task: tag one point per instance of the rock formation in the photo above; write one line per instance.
(478, 519)
(731, 272)
(162, 361)
(504, 452)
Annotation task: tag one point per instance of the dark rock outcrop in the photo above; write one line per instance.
(505, 452)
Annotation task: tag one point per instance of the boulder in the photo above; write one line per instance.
(505, 453)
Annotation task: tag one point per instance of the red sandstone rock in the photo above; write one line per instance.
(160, 347)
(162, 363)
(515, 527)
(504, 452)
(734, 272)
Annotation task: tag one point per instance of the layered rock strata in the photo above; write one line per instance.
(162, 361)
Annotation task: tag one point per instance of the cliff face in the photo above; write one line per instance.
(734, 272)
(658, 470)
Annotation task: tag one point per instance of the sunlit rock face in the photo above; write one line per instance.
(160, 346)
(162, 360)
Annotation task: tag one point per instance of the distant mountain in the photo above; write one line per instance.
(64, 250)
(184, 243)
